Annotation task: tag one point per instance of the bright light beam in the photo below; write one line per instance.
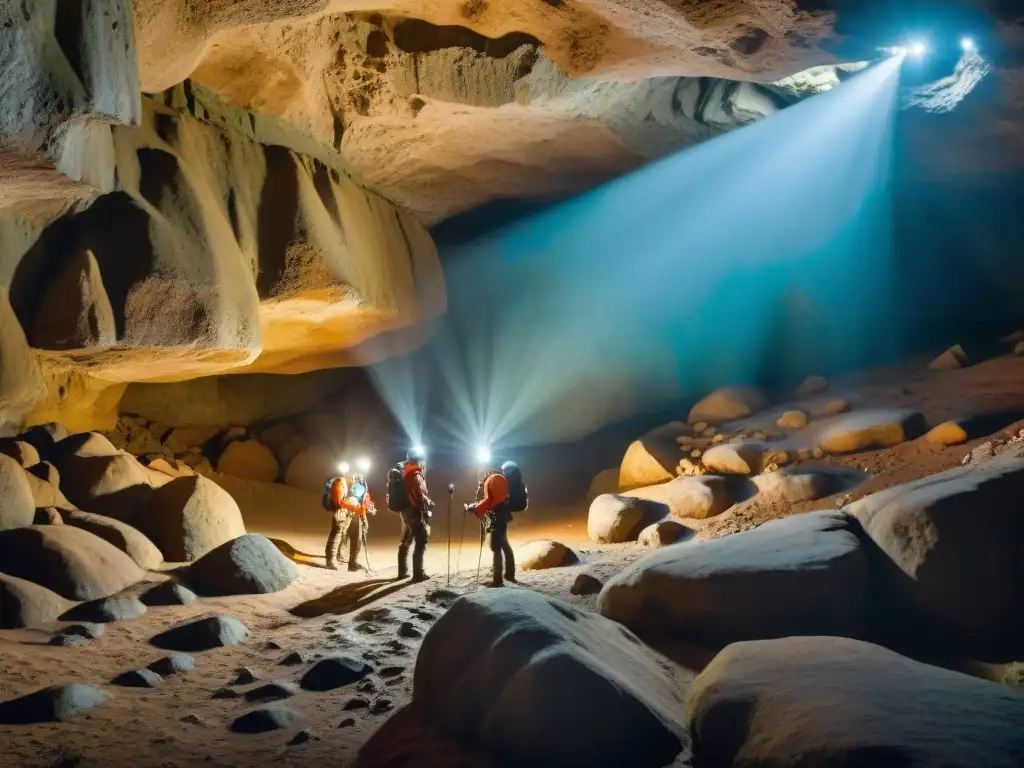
(968, 46)
(688, 273)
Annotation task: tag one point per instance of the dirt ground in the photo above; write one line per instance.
(371, 615)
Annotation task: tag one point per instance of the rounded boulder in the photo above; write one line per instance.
(249, 459)
(17, 505)
(24, 453)
(67, 560)
(310, 469)
(728, 403)
(25, 604)
(540, 555)
(664, 534)
(126, 538)
(616, 519)
(250, 564)
(191, 516)
(115, 485)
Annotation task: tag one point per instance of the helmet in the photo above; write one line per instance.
(509, 466)
(416, 454)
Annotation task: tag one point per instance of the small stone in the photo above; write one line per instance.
(139, 678)
(696, 453)
(382, 705)
(270, 645)
(348, 722)
(266, 719)
(295, 658)
(953, 358)
(835, 407)
(86, 630)
(245, 676)
(812, 385)
(107, 609)
(366, 685)
(818, 453)
(585, 584)
(334, 672)
(792, 420)
(303, 736)
(709, 432)
(408, 631)
(173, 664)
(169, 593)
(192, 719)
(719, 438)
(69, 641)
(1018, 350)
(947, 433)
(272, 691)
(357, 703)
(214, 631)
(225, 693)
(699, 427)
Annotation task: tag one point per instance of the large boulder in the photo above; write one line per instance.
(653, 458)
(743, 458)
(861, 430)
(46, 472)
(181, 439)
(191, 516)
(796, 485)
(290, 449)
(804, 574)
(17, 506)
(43, 437)
(45, 494)
(728, 403)
(51, 705)
(954, 542)
(84, 444)
(129, 540)
(250, 564)
(534, 681)
(310, 468)
(24, 604)
(615, 519)
(249, 459)
(24, 453)
(694, 498)
(543, 554)
(67, 560)
(831, 701)
(114, 485)
(605, 481)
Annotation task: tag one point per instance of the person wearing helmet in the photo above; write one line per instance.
(414, 504)
(500, 493)
(351, 503)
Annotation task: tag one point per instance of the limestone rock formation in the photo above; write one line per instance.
(249, 459)
(615, 519)
(121, 535)
(189, 517)
(23, 453)
(17, 504)
(71, 562)
(818, 701)
(46, 495)
(953, 542)
(795, 486)
(25, 604)
(605, 481)
(250, 564)
(743, 458)
(508, 669)
(651, 459)
(804, 574)
(115, 485)
(540, 555)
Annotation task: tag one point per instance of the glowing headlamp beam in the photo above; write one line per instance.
(483, 454)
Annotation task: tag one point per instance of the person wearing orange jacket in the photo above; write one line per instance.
(415, 508)
(494, 512)
(351, 501)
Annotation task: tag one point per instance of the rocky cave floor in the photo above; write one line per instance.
(191, 716)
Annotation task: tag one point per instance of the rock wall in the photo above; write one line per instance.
(173, 236)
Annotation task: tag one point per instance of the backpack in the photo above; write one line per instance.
(518, 499)
(326, 501)
(397, 498)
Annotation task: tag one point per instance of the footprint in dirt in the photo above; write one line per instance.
(375, 614)
(442, 597)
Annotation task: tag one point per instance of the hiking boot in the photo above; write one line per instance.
(418, 577)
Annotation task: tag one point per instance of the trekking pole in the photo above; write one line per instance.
(480, 557)
(366, 551)
(451, 493)
(462, 536)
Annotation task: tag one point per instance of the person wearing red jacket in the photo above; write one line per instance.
(351, 501)
(493, 511)
(415, 518)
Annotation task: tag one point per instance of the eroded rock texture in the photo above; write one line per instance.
(190, 189)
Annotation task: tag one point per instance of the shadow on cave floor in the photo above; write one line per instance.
(348, 598)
